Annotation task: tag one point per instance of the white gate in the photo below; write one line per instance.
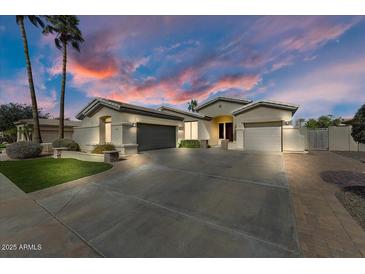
(318, 139)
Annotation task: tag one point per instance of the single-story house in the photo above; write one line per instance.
(48, 128)
(261, 125)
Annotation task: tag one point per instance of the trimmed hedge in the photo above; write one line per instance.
(99, 149)
(23, 150)
(190, 143)
(70, 144)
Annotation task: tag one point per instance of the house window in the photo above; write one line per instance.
(105, 130)
(108, 130)
(221, 130)
(191, 130)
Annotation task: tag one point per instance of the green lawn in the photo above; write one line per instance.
(35, 174)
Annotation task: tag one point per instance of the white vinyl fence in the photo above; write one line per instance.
(338, 139)
(293, 140)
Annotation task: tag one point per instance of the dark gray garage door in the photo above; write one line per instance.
(155, 136)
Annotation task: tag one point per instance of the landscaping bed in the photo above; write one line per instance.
(353, 199)
(2, 147)
(35, 174)
(189, 144)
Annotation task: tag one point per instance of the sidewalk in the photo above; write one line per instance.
(31, 230)
(325, 228)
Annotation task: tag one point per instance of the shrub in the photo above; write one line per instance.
(2, 147)
(9, 136)
(358, 126)
(23, 150)
(190, 143)
(70, 144)
(98, 149)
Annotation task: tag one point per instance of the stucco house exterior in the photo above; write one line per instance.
(259, 126)
(129, 127)
(48, 128)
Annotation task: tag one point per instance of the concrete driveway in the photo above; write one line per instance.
(182, 203)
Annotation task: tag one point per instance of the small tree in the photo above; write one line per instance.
(192, 105)
(323, 121)
(311, 123)
(358, 125)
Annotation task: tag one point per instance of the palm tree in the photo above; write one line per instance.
(67, 32)
(36, 21)
(192, 105)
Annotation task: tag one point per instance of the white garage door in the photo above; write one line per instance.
(262, 136)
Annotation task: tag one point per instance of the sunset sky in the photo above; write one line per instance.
(316, 62)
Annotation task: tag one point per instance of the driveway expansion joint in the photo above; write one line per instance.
(59, 220)
(198, 219)
(232, 179)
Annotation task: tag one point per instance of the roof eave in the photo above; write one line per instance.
(97, 103)
(293, 109)
(193, 115)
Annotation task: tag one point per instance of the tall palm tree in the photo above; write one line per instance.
(192, 105)
(67, 32)
(36, 21)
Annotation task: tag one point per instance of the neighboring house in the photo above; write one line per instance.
(48, 127)
(248, 125)
(347, 121)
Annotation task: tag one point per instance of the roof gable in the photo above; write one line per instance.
(223, 99)
(96, 104)
(182, 112)
(271, 104)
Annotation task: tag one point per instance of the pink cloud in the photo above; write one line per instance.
(320, 90)
(280, 36)
(268, 44)
(315, 37)
(169, 89)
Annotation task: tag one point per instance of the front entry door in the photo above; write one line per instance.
(229, 131)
